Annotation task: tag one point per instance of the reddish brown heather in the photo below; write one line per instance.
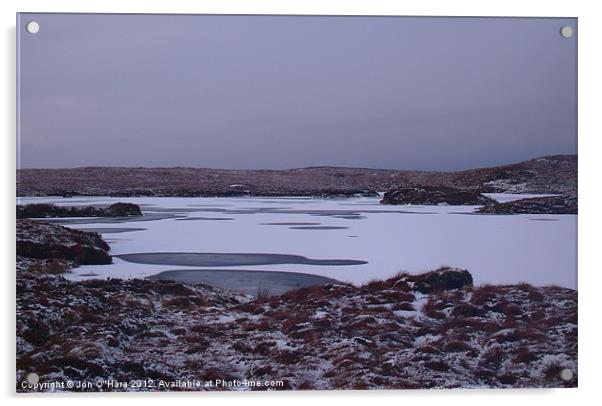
(408, 331)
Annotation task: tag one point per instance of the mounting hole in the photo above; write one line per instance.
(32, 27)
(32, 378)
(566, 374)
(566, 31)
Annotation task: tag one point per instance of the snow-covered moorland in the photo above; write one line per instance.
(404, 332)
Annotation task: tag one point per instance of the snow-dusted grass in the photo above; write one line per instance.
(496, 249)
(320, 337)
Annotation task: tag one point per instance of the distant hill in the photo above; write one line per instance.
(548, 174)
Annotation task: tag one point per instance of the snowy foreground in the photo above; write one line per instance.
(142, 335)
(382, 240)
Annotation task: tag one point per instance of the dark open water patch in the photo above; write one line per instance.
(174, 210)
(209, 205)
(377, 204)
(290, 224)
(296, 201)
(535, 219)
(317, 212)
(228, 259)
(358, 217)
(204, 218)
(111, 230)
(245, 281)
(110, 220)
(318, 228)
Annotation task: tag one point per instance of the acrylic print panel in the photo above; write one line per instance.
(212, 202)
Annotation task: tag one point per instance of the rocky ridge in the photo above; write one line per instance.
(549, 174)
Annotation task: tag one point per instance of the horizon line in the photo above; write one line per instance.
(293, 169)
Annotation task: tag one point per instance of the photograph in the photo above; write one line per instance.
(209, 202)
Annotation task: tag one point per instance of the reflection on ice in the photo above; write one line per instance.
(247, 281)
(228, 259)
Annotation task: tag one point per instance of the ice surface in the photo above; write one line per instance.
(499, 249)
(510, 197)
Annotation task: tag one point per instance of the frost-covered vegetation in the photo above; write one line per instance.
(427, 331)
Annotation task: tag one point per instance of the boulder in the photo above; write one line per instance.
(124, 209)
(441, 279)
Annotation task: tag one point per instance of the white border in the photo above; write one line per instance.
(590, 155)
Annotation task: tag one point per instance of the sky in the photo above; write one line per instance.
(280, 92)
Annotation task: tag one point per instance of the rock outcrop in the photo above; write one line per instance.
(45, 210)
(564, 204)
(440, 280)
(40, 240)
(123, 210)
(435, 195)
